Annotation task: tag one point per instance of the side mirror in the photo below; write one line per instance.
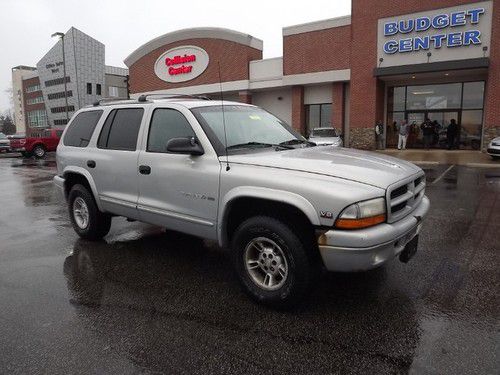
(187, 145)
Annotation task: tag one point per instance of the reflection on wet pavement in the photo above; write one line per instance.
(153, 301)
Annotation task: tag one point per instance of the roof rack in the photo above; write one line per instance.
(106, 100)
(145, 97)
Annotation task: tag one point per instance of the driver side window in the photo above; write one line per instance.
(166, 124)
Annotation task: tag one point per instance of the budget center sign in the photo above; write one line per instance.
(455, 33)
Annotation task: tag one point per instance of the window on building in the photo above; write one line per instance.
(165, 125)
(121, 129)
(60, 122)
(98, 89)
(441, 96)
(57, 81)
(37, 118)
(318, 116)
(89, 88)
(38, 99)
(71, 108)
(81, 129)
(113, 92)
(473, 95)
(60, 95)
(33, 88)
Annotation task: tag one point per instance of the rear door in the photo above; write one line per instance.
(178, 191)
(113, 164)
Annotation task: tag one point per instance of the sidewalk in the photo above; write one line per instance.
(467, 158)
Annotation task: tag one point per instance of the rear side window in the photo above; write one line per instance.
(121, 129)
(81, 129)
(165, 125)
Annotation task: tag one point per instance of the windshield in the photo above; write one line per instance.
(246, 127)
(327, 132)
(2, 136)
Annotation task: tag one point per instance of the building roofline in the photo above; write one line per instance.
(24, 67)
(317, 25)
(193, 33)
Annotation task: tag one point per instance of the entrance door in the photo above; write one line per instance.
(443, 118)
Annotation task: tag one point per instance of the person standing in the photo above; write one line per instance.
(379, 135)
(451, 133)
(403, 131)
(428, 132)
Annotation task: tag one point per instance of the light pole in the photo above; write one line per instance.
(61, 35)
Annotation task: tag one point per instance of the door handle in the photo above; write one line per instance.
(144, 169)
(91, 163)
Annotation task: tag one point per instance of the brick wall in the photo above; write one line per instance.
(317, 51)
(298, 111)
(30, 95)
(338, 105)
(234, 61)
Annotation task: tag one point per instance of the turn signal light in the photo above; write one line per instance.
(359, 223)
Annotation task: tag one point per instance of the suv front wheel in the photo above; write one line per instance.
(272, 262)
(88, 222)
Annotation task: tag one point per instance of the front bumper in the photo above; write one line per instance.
(493, 150)
(364, 249)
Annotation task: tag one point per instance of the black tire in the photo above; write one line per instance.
(300, 261)
(98, 223)
(495, 157)
(39, 151)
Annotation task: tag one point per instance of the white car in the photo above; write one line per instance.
(494, 148)
(4, 143)
(325, 137)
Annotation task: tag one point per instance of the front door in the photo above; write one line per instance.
(442, 118)
(177, 191)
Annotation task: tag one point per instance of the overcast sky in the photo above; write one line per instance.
(124, 25)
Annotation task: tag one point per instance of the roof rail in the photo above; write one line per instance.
(145, 97)
(106, 100)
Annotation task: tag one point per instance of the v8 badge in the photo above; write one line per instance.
(326, 214)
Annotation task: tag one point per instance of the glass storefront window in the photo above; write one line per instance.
(318, 116)
(473, 95)
(396, 98)
(470, 129)
(434, 96)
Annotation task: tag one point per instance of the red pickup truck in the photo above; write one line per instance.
(37, 144)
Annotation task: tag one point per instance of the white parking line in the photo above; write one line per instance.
(442, 175)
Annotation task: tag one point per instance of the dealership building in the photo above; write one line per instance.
(393, 61)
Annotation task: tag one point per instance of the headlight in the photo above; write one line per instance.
(362, 214)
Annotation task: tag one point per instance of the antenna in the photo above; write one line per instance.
(223, 118)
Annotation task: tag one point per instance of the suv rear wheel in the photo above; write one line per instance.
(272, 262)
(39, 151)
(88, 222)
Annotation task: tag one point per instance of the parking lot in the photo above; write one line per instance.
(147, 300)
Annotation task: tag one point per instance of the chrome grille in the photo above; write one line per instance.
(404, 196)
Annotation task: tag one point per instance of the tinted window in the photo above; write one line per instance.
(121, 129)
(165, 125)
(81, 129)
(59, 133)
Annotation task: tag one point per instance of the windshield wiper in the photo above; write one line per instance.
(296, 141)
(261, 144)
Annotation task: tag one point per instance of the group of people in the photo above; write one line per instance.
(430, 133)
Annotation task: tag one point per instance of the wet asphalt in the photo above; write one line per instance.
(150, 301)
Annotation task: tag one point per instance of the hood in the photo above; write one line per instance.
(361, 166)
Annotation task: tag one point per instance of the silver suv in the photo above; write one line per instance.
(236, 174)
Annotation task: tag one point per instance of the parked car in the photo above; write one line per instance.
(236, 174)
(39, 143)
(17, 142)
(325, 137)
(4, 143)
(494, 148)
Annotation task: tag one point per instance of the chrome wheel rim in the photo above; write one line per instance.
(266, 263)
(39, 151)
(80, 213)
